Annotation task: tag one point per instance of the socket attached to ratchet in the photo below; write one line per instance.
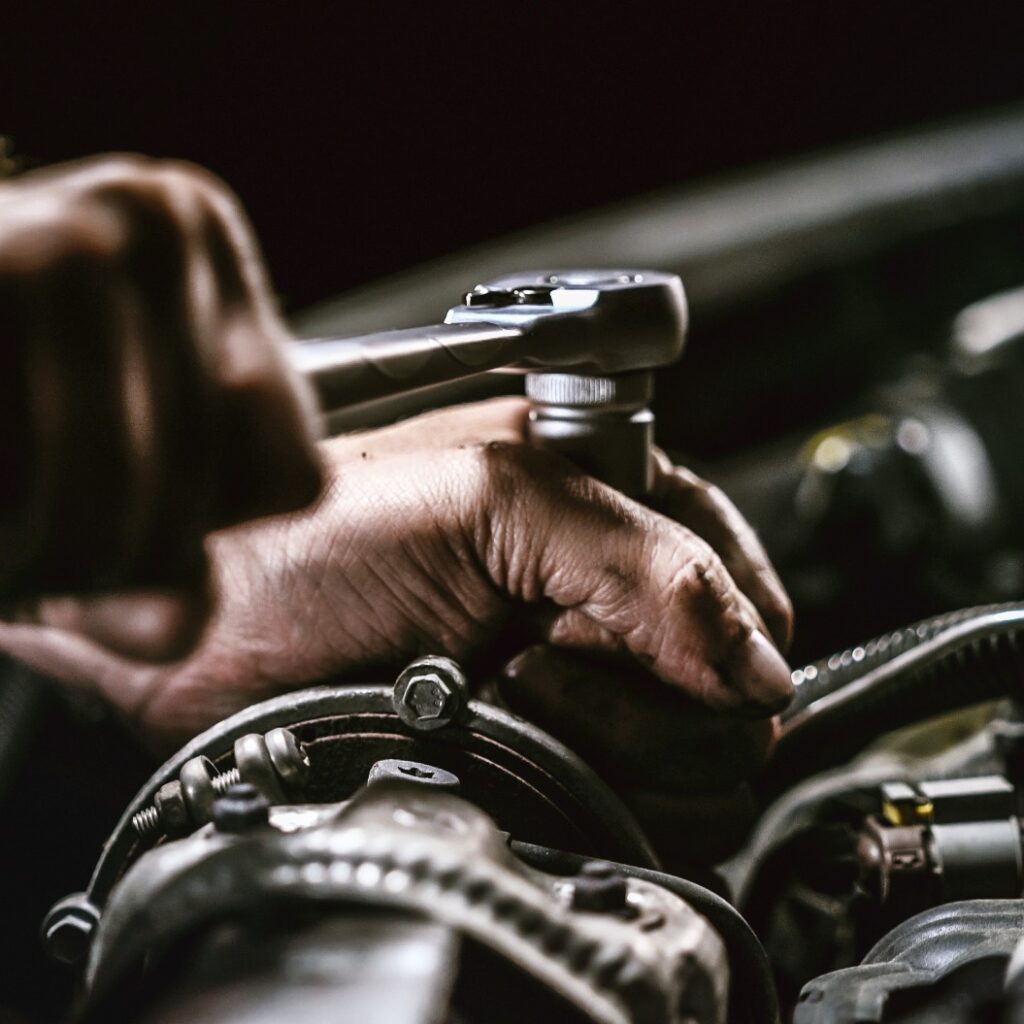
(587, 340)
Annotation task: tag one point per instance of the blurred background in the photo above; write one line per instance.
(833, 184)
(365, 138)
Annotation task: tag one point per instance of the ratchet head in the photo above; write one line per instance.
(593, 321)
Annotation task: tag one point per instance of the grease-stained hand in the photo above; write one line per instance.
(448, 534)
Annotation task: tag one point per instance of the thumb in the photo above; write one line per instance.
(148, 626)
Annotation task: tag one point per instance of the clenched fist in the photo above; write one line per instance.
(143, 398)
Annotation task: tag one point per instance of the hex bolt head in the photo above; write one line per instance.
(413, 771)
(241, 808)
(599, 888)
(69, 927)
(173, 810)
(430, 693)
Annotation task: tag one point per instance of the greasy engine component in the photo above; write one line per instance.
(941, 841)
(947, 964)
(455, 840)
(617, 949)
(533, 786)
(844, 853)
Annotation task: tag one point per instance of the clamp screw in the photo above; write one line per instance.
(267, 761)
(241, 808)
(599, 888)
(430, 693)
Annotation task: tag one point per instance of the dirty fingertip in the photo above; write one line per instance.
(760, 675)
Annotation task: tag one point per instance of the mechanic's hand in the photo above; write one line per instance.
(448, 534)
(143, 399)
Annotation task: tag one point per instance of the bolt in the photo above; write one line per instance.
(413, 771)
(599, 888)
(430, 693)
(271, 759)
(69, 927)
(241, 808)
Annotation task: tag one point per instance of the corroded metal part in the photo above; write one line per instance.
(414, 848)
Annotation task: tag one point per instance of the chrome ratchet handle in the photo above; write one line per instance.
(588, 341)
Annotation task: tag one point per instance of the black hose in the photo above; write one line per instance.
(938, 665)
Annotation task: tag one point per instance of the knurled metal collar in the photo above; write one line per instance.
(583, 390)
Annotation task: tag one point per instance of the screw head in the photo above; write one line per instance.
(428, 697)
(287, 756)
(599, 888)
(241, 808)
(413, 771)
(430, 693)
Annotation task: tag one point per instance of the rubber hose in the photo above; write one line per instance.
(940, 664)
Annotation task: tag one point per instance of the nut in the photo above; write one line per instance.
(174, 813)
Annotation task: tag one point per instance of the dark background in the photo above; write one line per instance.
(365, 138)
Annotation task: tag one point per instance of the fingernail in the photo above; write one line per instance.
(761, 675)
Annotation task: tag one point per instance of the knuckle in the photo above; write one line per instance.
(84, 240)
(702, 587)
(171, 192)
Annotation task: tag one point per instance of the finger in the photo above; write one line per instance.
(77, 661)
(570, 627)
(545, 531)
(264, 456)
(156, 626)
(259, 447)
(497, 419)
(83, 441)
(706, 510)
(632, 727)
